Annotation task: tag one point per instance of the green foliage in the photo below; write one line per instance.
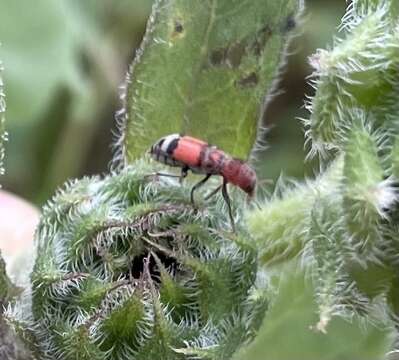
(344, 226)
(128, 267)
(280, 225)
(359, 72)
(205, 74)
(288, 333)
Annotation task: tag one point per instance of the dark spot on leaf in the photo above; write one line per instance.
(261, 39)
(179, 28)
(218, 57)
(230, 56)
(248, 81)
(235, 54)
(289, 24)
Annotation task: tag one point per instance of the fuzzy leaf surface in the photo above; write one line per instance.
(286, 332)
(203, 70)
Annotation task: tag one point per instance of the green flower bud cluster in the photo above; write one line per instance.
(343, 223)
(128, 268)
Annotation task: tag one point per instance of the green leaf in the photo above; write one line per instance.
(287, 334)
(204, 69)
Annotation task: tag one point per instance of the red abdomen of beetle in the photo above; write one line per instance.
(239, 173)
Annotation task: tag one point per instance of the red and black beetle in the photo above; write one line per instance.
(201, 158)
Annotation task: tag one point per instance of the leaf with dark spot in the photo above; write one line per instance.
(261, 39)
(218, 57)
(235, 54)
(179, 27)
(229, 56)
(204, 70)
(289, 24)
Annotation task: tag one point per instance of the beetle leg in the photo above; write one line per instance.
(167, 175)
(197, 185)
(184, 172)
(228, 202)
(213, 192)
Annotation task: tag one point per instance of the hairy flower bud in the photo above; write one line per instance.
(128, 268)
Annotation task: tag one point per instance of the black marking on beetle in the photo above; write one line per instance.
(248, 81)
(161, 142)
(201, 157)
(172, 146)
(261, 39)
(289, 24)
(165, 159)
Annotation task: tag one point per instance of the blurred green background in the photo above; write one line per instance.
(64, 63)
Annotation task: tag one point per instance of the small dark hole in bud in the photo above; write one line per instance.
(138, 264)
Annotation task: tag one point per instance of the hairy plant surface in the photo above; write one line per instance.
(343, 223)
(128, 268)
(12, 345)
